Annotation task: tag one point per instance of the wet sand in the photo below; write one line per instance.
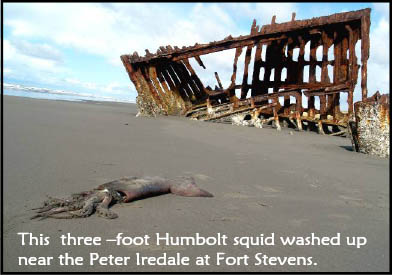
(263, 181)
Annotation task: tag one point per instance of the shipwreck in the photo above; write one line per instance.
(167, 84)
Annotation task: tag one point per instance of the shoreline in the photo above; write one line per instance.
(55, 96)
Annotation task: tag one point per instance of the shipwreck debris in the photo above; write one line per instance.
(369, 128)
(167, 83)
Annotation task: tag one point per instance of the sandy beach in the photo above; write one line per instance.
(264, 181)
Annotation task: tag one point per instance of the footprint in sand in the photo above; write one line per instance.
(349, 198)
(236, 196)
(355, 201)
(224, 219)
(267, 189)
(258, 205)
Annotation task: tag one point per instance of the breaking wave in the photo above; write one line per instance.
(58, 94)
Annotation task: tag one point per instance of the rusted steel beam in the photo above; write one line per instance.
(199, 60)
(275, 116)
(274, 59)
(265, 97)
(244, 90)
(291, 64)
(280, 59)
(179, 85)
(185, 75)
(315, 42)
(152, 73)
(291, 71)
(237, 54)
(327, 43)
(144, 71)
(344, 67)
(312, 94)
(344, 60)
(240, 110)
(335, 100)
(300, 71)
(218, 80)
(176, 102)
(300, 67)
(131, 74)
(351, 67)
(196, 79)
(365, 48)
(184, 81)
(257, 69)
(147, 100)
(266, 30)
(164, 71)
(167, 79)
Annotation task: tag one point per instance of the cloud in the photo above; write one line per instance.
(116, 88)
(24, 61)
(112, 88)
(382, 9)
(77, 82)
(41, 51)
(379, 42)
(115, 29)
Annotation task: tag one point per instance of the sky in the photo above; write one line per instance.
(77, 46)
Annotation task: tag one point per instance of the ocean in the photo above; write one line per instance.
(51, 94)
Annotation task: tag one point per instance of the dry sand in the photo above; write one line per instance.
(263, 180)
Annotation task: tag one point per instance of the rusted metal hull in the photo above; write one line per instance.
(167, 84)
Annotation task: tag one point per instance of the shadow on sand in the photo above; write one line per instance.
(347, 147)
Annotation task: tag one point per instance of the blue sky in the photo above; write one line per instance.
(77, 46)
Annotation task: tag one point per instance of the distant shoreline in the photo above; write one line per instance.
(75, 101)
(55, 94)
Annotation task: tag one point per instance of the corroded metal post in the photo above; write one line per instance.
(370, 128)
